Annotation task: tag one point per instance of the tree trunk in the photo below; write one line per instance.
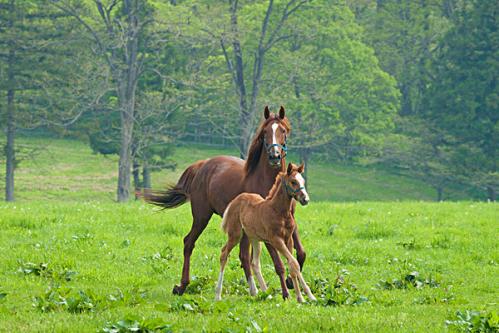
(124, 164)
(136, 178)
(146, 175)
(491, 193)
(244, 114)
(127, 84)
(11, 123)
(304, 158)
(9, 148)
(440, 193)
(127, 102)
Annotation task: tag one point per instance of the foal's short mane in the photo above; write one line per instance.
(256, 147)
(275, 188)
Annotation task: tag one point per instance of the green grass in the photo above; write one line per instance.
(126, 259)
(68, 170)
(72, 260)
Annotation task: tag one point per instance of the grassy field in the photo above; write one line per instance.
(72, 260)
(65, 170)
(80, 267)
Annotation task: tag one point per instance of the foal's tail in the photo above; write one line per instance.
(230, 220)
(175, 195)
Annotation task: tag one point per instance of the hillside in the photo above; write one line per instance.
(68, 170)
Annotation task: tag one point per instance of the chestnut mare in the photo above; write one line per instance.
(266, 220)
(211, 184)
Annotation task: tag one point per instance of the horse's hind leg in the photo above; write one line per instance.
(255, 264)
(201, 216)
(244, 256)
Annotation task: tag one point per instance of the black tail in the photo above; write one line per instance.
(176, 195)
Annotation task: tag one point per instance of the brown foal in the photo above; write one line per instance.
(266, 220)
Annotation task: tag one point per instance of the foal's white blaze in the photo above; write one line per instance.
(301, 180)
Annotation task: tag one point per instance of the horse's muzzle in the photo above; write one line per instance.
(275, 161)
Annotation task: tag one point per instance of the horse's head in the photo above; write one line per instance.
(274, 137)
(295, 184)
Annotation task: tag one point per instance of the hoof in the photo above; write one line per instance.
(289, 283)
(285, 295)
(178, 290)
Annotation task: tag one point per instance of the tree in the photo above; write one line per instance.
(343, 102)
(124, 32)
(245, 45)
(463, 100)
(29, 58)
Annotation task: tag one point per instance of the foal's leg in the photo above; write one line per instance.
(294, 267)
(244, 256)
(300, 276)
(201, 214)
(279, 269)
(300, 251)
(255, 263)
(231, 243)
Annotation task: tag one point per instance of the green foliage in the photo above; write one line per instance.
(57, 298)
(463, 99)
(43, 270)
(140, 325)
(339, 292)
(474, 321)
(412, 279)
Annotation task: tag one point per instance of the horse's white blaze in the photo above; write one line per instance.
(301, 180)
(274, 128)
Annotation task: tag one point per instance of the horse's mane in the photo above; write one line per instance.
(275, 188)
(256, 147)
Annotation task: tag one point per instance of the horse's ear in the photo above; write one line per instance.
(301, 168)
(266, 112)
(290, 168)
(282, 112)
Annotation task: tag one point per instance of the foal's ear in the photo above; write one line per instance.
(282, 112)
(301, 168)
(290, 168)
(266, 112)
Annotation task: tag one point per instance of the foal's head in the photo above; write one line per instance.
(294, 183)
(274, 136)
